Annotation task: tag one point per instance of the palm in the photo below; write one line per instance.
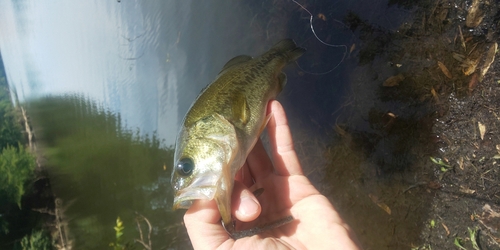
(286, 192)
(283, 196)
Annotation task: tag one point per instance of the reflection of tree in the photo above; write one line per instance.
(16, 169)
(10, 130)
(103, 169)
(17, 187)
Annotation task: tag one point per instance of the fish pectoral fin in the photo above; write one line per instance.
(240, 109)
(263, 126)
(282, 80)
(223, 197)
(223, 201)
(235, 61)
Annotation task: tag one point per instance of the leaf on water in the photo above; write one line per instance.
(379, 203)
(434, 185)
(445, 228)
(469, 66)
(475, 15)
(445, 70)
(393, 80)
(434, 95)
(442, 14)
(434, 160)
(459, 57)
(474, 216)
(440, 161)
(458, 242)
(487, 208)
(322, 16)
(482, 129)
(488, 60)
(474, 80)
(473, 238)
(461, 163)
(391, 115)
(386, 208)
(340, 130)
(462, 37)
(466, 190)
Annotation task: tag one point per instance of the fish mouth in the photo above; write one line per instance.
(184, 198)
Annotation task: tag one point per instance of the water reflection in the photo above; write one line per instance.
(100, 171)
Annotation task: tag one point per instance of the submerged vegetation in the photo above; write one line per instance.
(10, 128)
(17, 168)
(100, 170)
(37, 240)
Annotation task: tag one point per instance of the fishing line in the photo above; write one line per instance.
(321, 41)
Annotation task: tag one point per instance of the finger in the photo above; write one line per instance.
(203, 224)
(245, 206)
(285, 159)
(259, 163)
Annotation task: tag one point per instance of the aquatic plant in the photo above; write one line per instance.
(37, 240)
(16, 169)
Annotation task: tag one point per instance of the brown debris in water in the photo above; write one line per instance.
(475, 15)
(444, 69)
(489, 59)
(379, 203)
(482, 129)
(393, 80)
(473, 82)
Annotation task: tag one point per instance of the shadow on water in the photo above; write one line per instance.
(375, 168)
(101, 171)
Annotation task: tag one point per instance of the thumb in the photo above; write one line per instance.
(244, 204)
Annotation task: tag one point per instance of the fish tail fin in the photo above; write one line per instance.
(289, 49)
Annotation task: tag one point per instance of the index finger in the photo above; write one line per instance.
(285, 159)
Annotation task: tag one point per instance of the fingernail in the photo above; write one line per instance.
(248, 206)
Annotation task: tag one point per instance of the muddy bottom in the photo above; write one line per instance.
(414, 162)
(469, 195)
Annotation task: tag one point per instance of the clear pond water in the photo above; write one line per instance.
(107, 83)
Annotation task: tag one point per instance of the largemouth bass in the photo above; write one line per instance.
(223, 125)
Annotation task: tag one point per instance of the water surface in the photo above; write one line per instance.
(107, 84)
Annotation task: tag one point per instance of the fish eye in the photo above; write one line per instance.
(185, 167)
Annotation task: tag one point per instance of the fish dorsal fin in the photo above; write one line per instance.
(240, 109)
(235, 61)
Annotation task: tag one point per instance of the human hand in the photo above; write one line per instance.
(316, 224)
